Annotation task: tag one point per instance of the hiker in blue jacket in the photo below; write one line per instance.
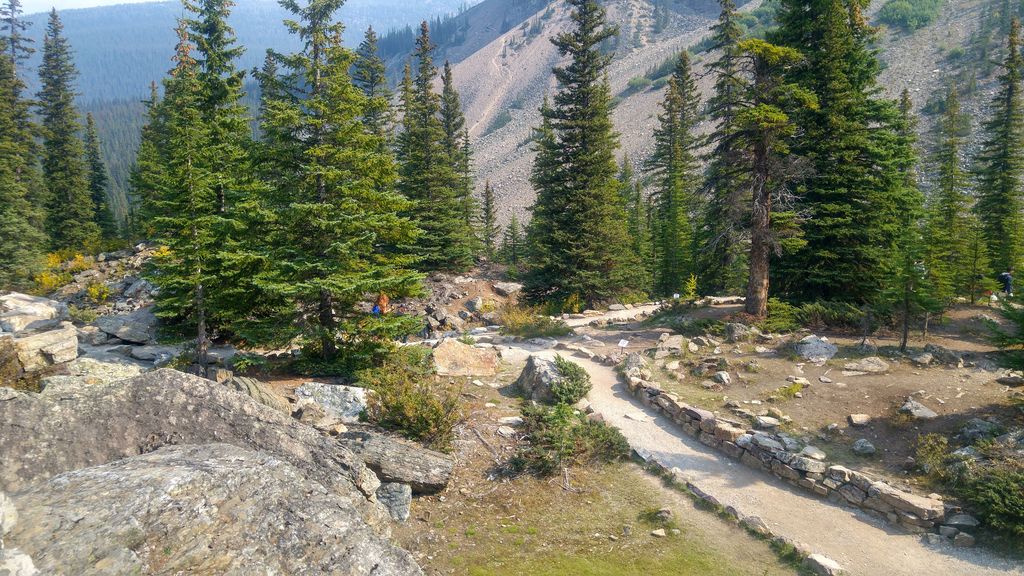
(1006, 279)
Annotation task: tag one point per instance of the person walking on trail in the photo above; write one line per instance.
(383, 305)
(1006, 279)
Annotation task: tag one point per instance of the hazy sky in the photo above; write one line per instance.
(33, 6)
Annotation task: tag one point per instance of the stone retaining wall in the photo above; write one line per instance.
(766, 452)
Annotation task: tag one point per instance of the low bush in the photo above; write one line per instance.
(575, 382)
(50, 281)
(410, 400)
(785, 317)
(782, 317)
(691, 328)
(910, 15)
(559, 437)
(529, 323)
(98, 292)
(81, 316)
(996, 492)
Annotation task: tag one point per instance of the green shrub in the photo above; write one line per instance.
(529, 323)
(931, 451)
(996, 492)
(1010, 340)
(690, 327)
(637, 84)
(558, 437)
(410, 400)
(575, 382)
(82, 316)
(782, 317)
(830, 315)
(910, 15)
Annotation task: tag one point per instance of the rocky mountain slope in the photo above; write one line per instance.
(504, 82)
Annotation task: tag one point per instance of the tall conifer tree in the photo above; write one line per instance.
(431, 166)
(370, 75)
(675, 166)
(724, 234)
(580, 251)
(631, 194)
(336, 212)
(488, 221)
(1000, 163)
(13, 31)
(854, 197)
(22, 242)
(70, 209)
(99, 181)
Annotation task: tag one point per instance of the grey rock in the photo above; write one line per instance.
(917, 410)
(823, 566)
(44, 349)
(765, 441)
(859, 420)
(948, 531)
(766, 423)
(537, 379)
(88, 372)
(156, 354)
(944, 355)
(1011, 381)
(98, 424)
(871, 365)
(397, 498)
(216, 508)
(139, 327)
(863, 447)
(345, 403)
(397, 460)
(923, 359)
(815, 349)
(962, 521)
(616, 308)
(24, 313)
(475, 305)
(722, 377)
(978, 429)
(963, 540)
(813, 453)
(14, 562)
(507, 288)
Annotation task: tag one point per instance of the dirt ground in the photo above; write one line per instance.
(956, 394)
(488, 524)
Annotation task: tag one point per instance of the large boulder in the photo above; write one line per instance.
(210, 509)
(44, 349)
(42, 435)
(869, 365)
(21, 313)
(917, 411)
(537, 378)
(815, 349)
(139, 327)
(507, 288)
(88, 372)
(400, 461)
(259, 392)
(342, 403)
(453, 358)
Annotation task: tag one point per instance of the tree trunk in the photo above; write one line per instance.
(329, 346)
(906, 320)
(760, 237)
(202, 343)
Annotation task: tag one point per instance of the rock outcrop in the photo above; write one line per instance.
(342, 403)
(537, 378)
(43, 435)
(211, 509)
(397, 461)
(815, 349)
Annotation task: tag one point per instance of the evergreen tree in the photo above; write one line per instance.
(22, 242)
(854, 198)
(180, 191)
(949, 216)
(676, 168)
(512, 243)
(765, 132)
(148, 162)
(637, 221)
(580, 250)
(70, 210)
(99, 181)
(427, 175)
(370, 74)
(336, 214)
(1000, 164)
(488, 221)
(724, 236)
(13, 32)
(456, 145)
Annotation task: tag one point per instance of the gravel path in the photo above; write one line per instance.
(860, 543)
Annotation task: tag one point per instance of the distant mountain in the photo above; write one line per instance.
(120, 49)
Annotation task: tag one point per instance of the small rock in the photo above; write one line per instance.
(822, 565)
(917, 410)
(859, 420)
(962, 521)
(948, 531)
(511, 421)
(863, 447)
(813, 453)
(722, 377)
(963, 540)
(663, 515)
(506, 431)
(766, 422)
(869, 365)
(397, 498)
(659, 533)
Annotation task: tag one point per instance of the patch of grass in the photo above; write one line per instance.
(790, 391)
(529, 323)
(910, 15)
(692, 328)
(81, 316)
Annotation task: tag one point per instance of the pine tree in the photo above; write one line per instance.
(456, 145)
(180, 190)
(488, 221)
(370, 74)
(675, 166)
(724, 236)
(580, 250)
(70, 210)
(512, 244)
(148, 162)
(765, 130)
(1000, 164)
(427, 174)
(637, 222)
(336, 214)
(854, 199)
(949, 215)
(21, 239)
(99, 181)
(13, 32)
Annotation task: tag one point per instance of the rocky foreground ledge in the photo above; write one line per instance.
(169, 473)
